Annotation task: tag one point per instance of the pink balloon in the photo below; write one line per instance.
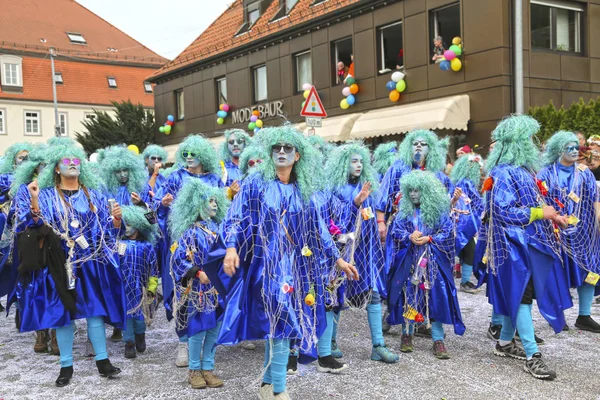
(226, 107)
(346, 91)
(449, 55)
(306, 86)
(253, 118)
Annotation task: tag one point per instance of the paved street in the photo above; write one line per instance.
(472, 373)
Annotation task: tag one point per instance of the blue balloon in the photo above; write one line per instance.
(222, 114)
(445, 65)
(256, 130)
(351, 99)
(171, 118)
(391, 85)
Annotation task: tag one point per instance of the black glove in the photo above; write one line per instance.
(190, 274)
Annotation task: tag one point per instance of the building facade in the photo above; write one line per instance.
(259, 54)
(94, 64)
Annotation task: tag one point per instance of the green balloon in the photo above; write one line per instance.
(350, 81)
(251, 126)
(161, 129)
(457, 50)
(401, 86)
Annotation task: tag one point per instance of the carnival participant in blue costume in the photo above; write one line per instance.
(252, 157)
(277, 253)
(154, 157)
(384, 156)
(420, 283)
(466, 175)
(571, 189)
(194, 224)
(321, 145)
(523, 255)
(236, 141)
(124, 176)
(199, 161)
(137, 257)
(81, 278)
(352, 179)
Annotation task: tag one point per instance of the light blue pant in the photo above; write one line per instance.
(525, 327)
(183, 339)
(133, 327)
(202, 348)
(324, 344)
(374, 316)
(96, 334)
(586, 297)
(276, 363)
(467, 271)
(336, 321)
(497, 319)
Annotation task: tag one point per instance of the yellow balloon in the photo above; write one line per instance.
(457, 40)
(134, 149)
(456, 65)
(344, 104)
(306, 93)
(259, 123)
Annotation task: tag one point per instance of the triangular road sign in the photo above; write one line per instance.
(313, 107)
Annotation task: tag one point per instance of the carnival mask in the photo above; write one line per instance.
(21, 157)
(212, 207)
(69, 167)
(235, 146)
(284, 155)
(420, 149)
(191, 159)
(415, 196)
(571, 153)
(152, 160)
(356, 165)
(122, 176)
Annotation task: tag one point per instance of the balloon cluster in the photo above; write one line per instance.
(255, 122)
(166, 128)
(396, 86)
(451, 60)
(306, 91)
(222, 113)
(349, 91)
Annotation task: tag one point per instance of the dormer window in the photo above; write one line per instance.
(284, 9)
(252, 11)
(11, 69)
(76, 38)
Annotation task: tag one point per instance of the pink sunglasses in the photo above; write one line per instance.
(68, 161)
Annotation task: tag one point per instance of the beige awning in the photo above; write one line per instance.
(445, 113)
(334, 129)
(172, 148)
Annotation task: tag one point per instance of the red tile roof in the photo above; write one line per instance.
(220, 35)
(84, 82)
(24, 22)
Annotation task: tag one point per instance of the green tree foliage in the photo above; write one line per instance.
(132, 124)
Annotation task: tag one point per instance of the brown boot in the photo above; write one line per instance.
(196, 380)
(211, 379)
(53, 343)
(41, 342)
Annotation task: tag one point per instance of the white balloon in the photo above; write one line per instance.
(94, 157)
(397, 76)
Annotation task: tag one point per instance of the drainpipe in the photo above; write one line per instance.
(518, 49)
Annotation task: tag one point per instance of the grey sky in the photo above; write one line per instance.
(167, 27)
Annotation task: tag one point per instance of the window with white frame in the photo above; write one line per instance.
(63, 123)
(556, 25)
(147, 87)
(33, 123)
(341, 53)
(260, 83)
(221, 91)
(89, 116)
(12, 71)
(303, 65)
(2, 121)
(179, 105)
(252, 12)
(444, 22)
(390, 54)
(112, 82)
(76, 38)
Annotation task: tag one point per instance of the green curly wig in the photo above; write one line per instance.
(308, 170)
(156, 151)
(252, 152)
(336, 167)
(133, 216)
(322, 146)
(25, 172)
(514, 144)
(116, 158)
(190, 206)
(436, 157)
(238, 133)
(56, 141)
(555, 146)
(199, 145)
(56, 152)
(466, 167)
(434, 197)
(384, 156)
(7, 165)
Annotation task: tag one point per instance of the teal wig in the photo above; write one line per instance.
(436, 157)
(57, 141)
(236, 133)
(116, 158)
(467, 167)
(156, 151)
(190, 206)
(556, 145)
(336, 168)
(252, 152)
(514, 143)
(166, 172)
(435, 203)
(7, 165)
(25, 173)
(384, 156)
(64, 149)
(203, 149)
(323, 146)
(308, 169)
(133, 216)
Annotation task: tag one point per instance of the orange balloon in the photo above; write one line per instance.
(394, 96)
(354, 88)
(256, 112)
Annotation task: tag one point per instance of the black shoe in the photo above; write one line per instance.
(493, 331)
(106, 369)
(587, 323)
(468, 287)
(538, 368)
(117, 335)
(130, 350)
(65, 376)
(566, 328)
(292, 367)
(140, 342)
(538, 340)
(18, 319)
(423, 331)
(330, 364)
(510, 350)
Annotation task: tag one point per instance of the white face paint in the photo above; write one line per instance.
(69, 167)
(191, 159)
(284, 155)
(21, 157)
(415, 196)
(356, 165)
(130, 231)
(40, 168)
(151, 160)
(122, 176)
(235, 146)
(212, 208)
(570, 153)
(420, 149)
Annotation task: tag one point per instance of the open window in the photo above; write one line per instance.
(390, 54)
(341, 54)
(556, 25)
(221, 84)
(303, 69)
(444, 24)
(147, 87)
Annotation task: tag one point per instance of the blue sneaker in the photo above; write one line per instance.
(335, 350)
(382, 353)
